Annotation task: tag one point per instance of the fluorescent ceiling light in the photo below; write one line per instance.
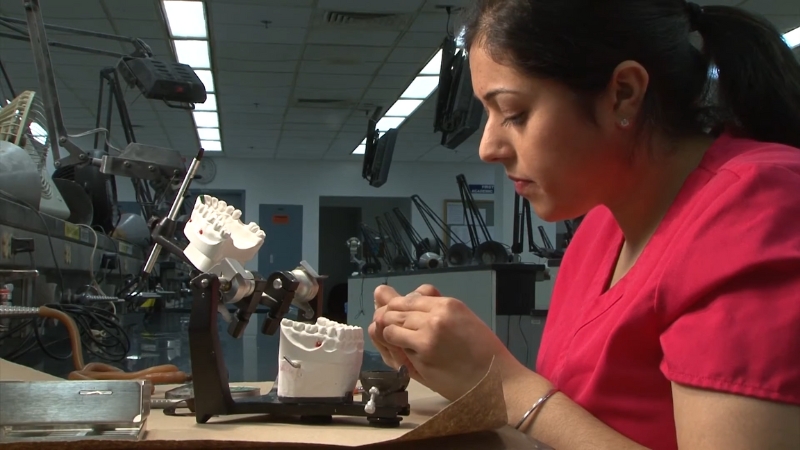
(209, 105)
(421, 87)
(208, 134)
(434, 65)
(38, 132)
(186, 19)
(211, 146)
(203, 119)
(387, 123)
(793, 38)
(207, 78)
(193, 53)
(403, 108)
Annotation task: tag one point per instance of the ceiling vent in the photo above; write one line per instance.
(324, 103)
(331, 103)
(365, 20)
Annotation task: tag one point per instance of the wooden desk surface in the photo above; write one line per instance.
(244, 432)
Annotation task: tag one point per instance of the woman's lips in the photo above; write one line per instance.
(521, 185)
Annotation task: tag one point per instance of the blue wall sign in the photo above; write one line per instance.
(481, 188)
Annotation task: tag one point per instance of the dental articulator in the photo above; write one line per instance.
(319, 359)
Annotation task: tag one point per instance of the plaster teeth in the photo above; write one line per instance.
(218, 218)
(319, 360)
(325, 330)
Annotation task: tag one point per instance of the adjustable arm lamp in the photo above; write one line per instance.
(137, 160)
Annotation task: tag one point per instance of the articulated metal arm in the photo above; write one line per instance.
(137, 161)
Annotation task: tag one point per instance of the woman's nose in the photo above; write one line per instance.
(492, 148)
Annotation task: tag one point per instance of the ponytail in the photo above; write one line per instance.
(759, 75)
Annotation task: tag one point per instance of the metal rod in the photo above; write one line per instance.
(41, 57)
(187, 180)
(57, 44)
(175, 209)
(71, 30)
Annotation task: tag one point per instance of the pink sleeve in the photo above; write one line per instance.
(731, 298)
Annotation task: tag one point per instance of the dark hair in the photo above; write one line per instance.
(581, 42)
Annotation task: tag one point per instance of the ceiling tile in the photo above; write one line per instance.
(395, 83)
(130, 10)
(342, 68)
(313, 127)
(431, 22)
(297, 155)
(404, 70)
(415, 55)
(254, 79)
(352, 37)
(371, 6)
(243, 65)
(230, 33)
(343, 54)
(384, 95)
(147, 30)
(458, 6)
(294, 15)
(427, 40)
(78, 9)
(322, 117)
(332, 82)
(250, 52)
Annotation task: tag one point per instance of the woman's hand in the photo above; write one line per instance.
(442, 342)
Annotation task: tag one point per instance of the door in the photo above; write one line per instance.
(341, 223)
(283, 246)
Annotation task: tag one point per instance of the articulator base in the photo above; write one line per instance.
(384, 398)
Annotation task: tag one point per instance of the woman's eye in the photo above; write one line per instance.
(516, 119)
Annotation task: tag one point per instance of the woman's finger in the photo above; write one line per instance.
(428, 290)
(413, 302)
(383, 294)
(408, 340)
(413, 320)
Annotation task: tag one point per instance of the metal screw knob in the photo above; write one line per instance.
(370, 407)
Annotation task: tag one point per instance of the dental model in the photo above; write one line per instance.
(215, 232)
(319, 361)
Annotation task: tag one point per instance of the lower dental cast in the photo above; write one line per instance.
(320, 361)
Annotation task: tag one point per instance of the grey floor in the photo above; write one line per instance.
(163, 339)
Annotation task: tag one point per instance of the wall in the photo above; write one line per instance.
(303, 182)
(370, 206)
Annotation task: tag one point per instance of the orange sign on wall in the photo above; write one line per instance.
(280, 219)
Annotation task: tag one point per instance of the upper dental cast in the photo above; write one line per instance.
(215, 232)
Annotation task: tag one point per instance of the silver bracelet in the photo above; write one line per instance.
(536, 406)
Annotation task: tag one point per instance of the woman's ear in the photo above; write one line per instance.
(624, 95)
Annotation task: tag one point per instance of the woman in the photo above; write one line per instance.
(675, 318)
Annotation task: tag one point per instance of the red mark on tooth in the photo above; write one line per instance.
(318, 344)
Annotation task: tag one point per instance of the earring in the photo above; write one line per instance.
(624, 123)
